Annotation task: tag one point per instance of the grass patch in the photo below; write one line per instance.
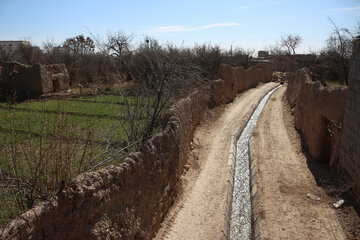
(107, 98)
(40, 123)
(42, 150)
(75, 107)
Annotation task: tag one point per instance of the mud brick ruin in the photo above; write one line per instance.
(33, 80)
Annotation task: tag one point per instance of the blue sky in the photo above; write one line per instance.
(250, 24)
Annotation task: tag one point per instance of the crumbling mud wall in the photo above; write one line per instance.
(236, 79)
(318, 113)
(33, 80)
(129, 200)
(350, 140)
(57, 74)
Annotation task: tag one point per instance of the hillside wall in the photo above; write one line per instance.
(129, 200)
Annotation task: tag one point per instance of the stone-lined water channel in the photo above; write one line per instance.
(240, 226)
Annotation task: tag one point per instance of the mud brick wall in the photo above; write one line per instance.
(316, 109)
(16, 76)
(57, 74)
(129, 200)
(237, 79)
(350, 145)
(34, 79)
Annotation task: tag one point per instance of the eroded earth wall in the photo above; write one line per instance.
(129, 200)
(34, 79)
(318, 113)
(236, 79)
(350, 141)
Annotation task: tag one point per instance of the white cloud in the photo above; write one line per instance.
(165, 29)
(350, 8)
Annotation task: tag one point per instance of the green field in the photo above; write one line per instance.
(87, 106)
(43, 143)
(99, 114)
(107, 98)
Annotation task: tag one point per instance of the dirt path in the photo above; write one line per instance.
(284, 180)
(200, 208)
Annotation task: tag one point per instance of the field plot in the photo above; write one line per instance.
(44, 144)
(50, 117)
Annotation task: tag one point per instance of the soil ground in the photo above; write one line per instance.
(286, 175)
(200, 208)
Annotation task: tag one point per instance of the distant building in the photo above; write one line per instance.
(11, 46)
(263, 54)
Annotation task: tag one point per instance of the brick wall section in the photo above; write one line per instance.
(34, 80)
(129, 200)
(313, 107)
(350, 145)
(236, 79)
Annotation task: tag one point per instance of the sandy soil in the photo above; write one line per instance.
(200, 208)
(284, 180)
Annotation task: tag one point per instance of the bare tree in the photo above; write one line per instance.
(79, 45)
(291, 42)
(5, 55)
(160, 74)
(276, 49)
(28, 54)
(51, 54)
(208, 57)
(339, 44)
(118, 43)
(48, 46)
(118, 46)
